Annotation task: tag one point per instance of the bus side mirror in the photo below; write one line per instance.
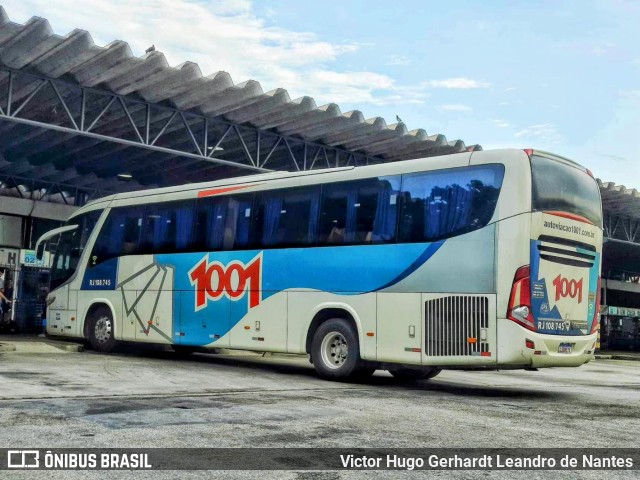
(40, 251)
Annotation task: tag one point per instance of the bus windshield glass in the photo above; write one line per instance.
(70, 246)
(561, 187)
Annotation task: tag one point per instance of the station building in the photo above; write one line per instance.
(79, 121)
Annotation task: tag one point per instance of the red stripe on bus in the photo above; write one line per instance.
(571, 216)
(218, 191)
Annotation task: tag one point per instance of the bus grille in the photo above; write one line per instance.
(564, 251)
(457, 326)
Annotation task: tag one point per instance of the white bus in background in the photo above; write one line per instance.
(478, 260)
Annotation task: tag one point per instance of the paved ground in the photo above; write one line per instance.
(53, 398)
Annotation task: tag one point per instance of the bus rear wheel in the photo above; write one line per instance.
(101, 329)
(414, 373)
(336, 352)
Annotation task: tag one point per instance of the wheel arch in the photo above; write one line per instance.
(328, 311)
(91, 309)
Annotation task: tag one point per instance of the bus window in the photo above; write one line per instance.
(167, 227)
(446, 203)
(384, 214)
(238, 222)
(561, 187)
(70, 247)
(287, 218)
(223, 223)
(361, 211)
(211, 213)
(120, 234)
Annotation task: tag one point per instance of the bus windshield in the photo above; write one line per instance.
(70, 246)
(561, 187)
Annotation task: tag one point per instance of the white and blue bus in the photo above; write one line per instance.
(477, 260)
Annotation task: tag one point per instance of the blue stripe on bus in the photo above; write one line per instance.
(328, 269)
(426, 255)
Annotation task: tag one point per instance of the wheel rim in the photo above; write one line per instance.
(334, 350)
(102, 330)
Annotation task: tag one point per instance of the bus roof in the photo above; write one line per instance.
(245, 179)
(388, 168)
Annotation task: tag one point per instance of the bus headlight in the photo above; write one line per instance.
(50, 300)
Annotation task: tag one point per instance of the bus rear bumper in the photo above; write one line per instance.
(518, 345)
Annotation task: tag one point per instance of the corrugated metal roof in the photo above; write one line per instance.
(619, 200)
(33, 47)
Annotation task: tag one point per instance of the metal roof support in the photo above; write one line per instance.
(244, 145)
(66, 109)
(191, 135)
(258, 139)
(115, 127)
(215, 147)
(630, 231)
(273, 149)
(293, 157)
(304, 158)
(13, 181)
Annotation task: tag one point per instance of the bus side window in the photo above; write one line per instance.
(119, 235)
(132, 229)
(211, 214)
(238, 222)
(444, 203)
(222, 223)
(167, 227)
(333, 227)
(286, 218)
(359, 212)
(386, 211)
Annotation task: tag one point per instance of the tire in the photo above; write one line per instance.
(336, 351)
(100, 332)
(408, 374)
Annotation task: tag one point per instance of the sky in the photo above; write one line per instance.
(557, 76)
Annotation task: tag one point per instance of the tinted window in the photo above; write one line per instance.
(167, 227)
(287, 218)
(561, 187)
(361, 211)
(120, 234)
(70, 247)
(223, 223)
(445, 203)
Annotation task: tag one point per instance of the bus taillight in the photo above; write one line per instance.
(596, 313)
(520, 300)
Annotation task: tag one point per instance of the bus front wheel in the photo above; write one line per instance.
(336, 352)
(101, 330)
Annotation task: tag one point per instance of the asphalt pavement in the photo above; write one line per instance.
(139, 398)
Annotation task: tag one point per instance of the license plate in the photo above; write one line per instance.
(565, 348)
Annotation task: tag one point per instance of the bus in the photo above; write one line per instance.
(476, 260)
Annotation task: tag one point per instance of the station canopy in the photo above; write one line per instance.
(620, 200)
(78, 121)
(621, 207)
